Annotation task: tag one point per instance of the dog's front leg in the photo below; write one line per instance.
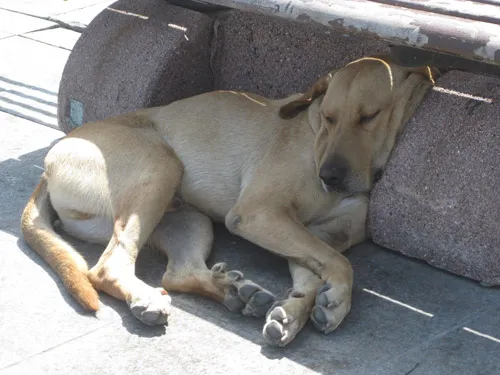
(280, 232)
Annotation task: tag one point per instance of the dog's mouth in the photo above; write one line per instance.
(331, 189)
(343, 190)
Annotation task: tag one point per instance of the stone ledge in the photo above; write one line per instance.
(140, 54)
(438, 200)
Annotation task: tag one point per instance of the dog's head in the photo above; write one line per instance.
(359, 111)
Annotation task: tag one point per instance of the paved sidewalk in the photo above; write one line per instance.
(75, 14)
(34, 52)
(407, 317)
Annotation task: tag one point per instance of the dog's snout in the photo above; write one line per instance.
(333, 174)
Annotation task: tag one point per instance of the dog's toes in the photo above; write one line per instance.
(276, 330)
(284, 321)
(330, 309)
(258, 302)
(152, 309)
(219, 270)
(245, 296)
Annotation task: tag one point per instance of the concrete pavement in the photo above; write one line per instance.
(74, 14)
(33, 54)
(407, 317)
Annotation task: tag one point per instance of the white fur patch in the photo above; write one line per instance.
(95, 230)
(349, 205)
(349, 202)
(325, 187)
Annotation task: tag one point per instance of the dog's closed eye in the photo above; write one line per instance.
(331, 119)
(365, 119)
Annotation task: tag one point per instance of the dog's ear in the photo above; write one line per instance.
(430, 72)
(292, 109)
(411, 91)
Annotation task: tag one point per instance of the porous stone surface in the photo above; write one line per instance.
(439, 198)
(136, 54)
(277, 57)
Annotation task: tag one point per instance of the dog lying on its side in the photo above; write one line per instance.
(290, 175)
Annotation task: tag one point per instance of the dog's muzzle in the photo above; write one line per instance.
(333, 176)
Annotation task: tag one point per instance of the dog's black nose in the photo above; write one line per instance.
(332, 175)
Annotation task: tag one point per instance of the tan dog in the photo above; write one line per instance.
(291, 175)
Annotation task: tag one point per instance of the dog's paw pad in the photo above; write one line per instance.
(152, 309)
(257, 303)
(245, 296)
(330, 308)
(281, 327)
(275, 333)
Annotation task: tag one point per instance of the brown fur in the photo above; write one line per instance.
(70, 266)
(296, 185)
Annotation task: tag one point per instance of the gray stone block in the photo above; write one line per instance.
(438, 199)
(137, 54)
(277, 57)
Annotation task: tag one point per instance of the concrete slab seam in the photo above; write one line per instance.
(60, 344)
(62, 24)
(25, 36)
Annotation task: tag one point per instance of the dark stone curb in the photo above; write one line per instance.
(439, 197)
(140, 54)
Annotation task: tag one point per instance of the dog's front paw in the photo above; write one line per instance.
(152, 308)
(286, 318)
(332, 305)
(240, 294)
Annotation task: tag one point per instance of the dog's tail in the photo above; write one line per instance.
(36, 225)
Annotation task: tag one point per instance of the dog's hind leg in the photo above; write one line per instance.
(140, 177)
(186, 236)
